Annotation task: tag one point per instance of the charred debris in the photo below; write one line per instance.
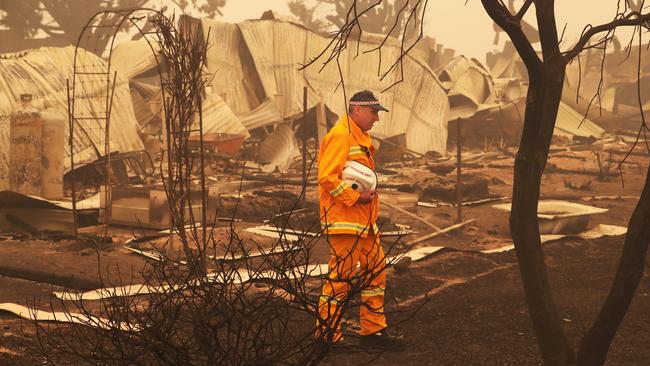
(141, 141)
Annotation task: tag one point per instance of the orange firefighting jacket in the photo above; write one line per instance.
(339, 211)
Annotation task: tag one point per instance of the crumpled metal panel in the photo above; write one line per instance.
(235, 79)
(278, 149)
(133, 58)
(264, 114)
(570, 123)
(468, 85)
(277, 48)
(217, 117)
(43, 74)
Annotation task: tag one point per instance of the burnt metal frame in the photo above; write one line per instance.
(121, 17)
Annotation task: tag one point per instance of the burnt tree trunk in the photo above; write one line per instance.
(542, 105)
(595, 344)
(546, 75)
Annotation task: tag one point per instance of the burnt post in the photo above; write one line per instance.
(304, 143)
(459, 181)
(72, 174)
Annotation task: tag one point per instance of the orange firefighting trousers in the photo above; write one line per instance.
(345, 252)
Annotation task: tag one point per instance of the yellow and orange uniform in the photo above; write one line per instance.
(351, 229)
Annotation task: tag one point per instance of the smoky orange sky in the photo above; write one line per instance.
(465, 27)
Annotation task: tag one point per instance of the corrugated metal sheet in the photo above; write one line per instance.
(255, 69)
(571, 123)
(278, 149)
(135, 60)
(506, 64)
(217, 117)
(141, 109)
(43, 74)
(468, 85)
(5, 141)
(132, 58)
(428, 123)
(278, 48)
(503, 67)
(235, 78)
(265, 114)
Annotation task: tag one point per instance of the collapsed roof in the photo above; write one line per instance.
(255, 68)
(135, 61)
(43, 73)
(469, 86)
(418, 105)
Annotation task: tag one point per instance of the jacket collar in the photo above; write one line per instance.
(363, 138)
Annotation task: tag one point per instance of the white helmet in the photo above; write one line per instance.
(359, 177)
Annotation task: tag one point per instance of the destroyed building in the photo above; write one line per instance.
(34, 103)
(257, 90)
(447, 211)
(257, 83)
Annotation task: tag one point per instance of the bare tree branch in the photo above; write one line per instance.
(512, 26)
(621, 20)
(524, 8)
(407, 18)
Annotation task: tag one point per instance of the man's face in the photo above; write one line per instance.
(365, 117)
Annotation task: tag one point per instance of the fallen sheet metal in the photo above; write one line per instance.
(595, 233)
(43, 73)
(509, 89)
(133, 58)
(468, 85)
(506, 63)
(502, 249)
(66, 317)
(287, 230)
(32, 213)
(262, 115)
(146, 254)
(295, 273)
(233, 277)
(218, 117)
(604, 230)
(570, 123)
(415, 254)
(272, 234)
(278, 150)
(107, 293)
(418, 106)
(398, 233)
(226, 257)
(251, 254)
(9, 199)
(556, 209)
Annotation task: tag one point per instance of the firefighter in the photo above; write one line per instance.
(348, 217)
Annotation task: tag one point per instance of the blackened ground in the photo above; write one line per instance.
(481, 317)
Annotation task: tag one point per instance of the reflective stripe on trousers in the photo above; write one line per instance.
(345, 252)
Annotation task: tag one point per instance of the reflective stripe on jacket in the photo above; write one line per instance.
(339, 211)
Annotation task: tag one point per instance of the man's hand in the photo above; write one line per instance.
(366, 197)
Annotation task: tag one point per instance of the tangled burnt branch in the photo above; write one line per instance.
(206, 300)
(409, 18)
(627, 15)
(250, 309)
(546, 77)
(182, 86)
